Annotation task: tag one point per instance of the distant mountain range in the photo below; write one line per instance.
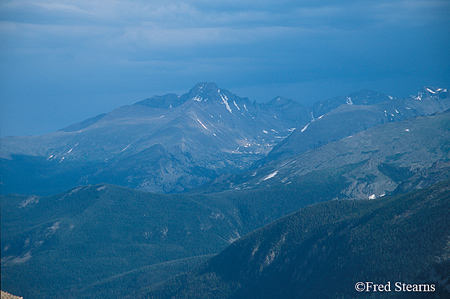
(344, 116)
(245, 167)
(387, 159)
(171, 143)
(163, 144)
(137, 240)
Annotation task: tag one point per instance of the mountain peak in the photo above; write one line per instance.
(200, 92)
(428, 92)
(206, 91)
(211, 86)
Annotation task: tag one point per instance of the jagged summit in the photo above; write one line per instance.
(201, 92)
(205, 87)
(208, 91)
(218, 100)
(428, 92)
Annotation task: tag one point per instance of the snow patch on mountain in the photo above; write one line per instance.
(304, 128)
(126, 147)
(101, 188)
(72, 148)
(225, 101)
(273, 174)
(202, 124)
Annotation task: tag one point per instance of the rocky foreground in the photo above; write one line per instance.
(9, 296)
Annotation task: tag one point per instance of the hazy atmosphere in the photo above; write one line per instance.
(225, 149)
(65, 61)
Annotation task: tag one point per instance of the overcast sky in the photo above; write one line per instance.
(64, 61)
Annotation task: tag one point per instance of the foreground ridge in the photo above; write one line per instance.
(6, 295)
(329, 249)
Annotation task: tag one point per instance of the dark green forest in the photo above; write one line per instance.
(102, 240)
(323, 250)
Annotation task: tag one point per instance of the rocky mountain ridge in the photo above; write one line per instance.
(171, 143)
(163, 144)
(344, 116)
(383, 159)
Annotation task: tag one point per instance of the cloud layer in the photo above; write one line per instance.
(89, 49)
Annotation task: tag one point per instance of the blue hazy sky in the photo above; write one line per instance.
(64, 61)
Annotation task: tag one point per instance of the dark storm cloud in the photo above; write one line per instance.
(96, 51)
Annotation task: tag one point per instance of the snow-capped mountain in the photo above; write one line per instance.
(174, 143)
(344, 116)
(391, 158)
(162, 144)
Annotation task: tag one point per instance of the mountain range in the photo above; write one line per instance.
(355, 159)
(171, 143)
(387, 159)
(164, 144)
(344, 116)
